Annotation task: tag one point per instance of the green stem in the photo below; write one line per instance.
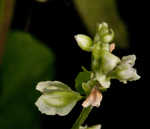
(82, 117)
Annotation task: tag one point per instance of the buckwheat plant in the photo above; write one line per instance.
(59, 99)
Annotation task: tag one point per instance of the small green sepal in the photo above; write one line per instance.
(82, 78)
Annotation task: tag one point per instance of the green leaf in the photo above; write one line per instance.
(57, 98)
(96, 11)
(92, 127)
(81, 78)
(26, 61)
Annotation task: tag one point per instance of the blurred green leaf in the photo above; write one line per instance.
(81, 77)
(26, 61)
(96, 11)
(57, 98)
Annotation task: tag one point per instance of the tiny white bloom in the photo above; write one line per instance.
(125, 71)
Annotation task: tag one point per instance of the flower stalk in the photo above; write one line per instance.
(82, 117)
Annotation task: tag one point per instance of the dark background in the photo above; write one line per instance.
(55, 23)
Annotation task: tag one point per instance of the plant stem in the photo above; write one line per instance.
(82, 117)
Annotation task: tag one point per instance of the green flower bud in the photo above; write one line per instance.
(84, 42)
(106, 35)
(124, 71)
(107, 38)
(105, 64)
(103, 28)
(108, 62)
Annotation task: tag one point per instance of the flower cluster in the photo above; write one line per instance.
(105, 65)
(59, 99)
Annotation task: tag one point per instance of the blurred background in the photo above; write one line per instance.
(37, 43)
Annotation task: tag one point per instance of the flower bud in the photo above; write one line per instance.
(108, 62)
(107, 38)
(84, 42)
(93, 99)
(106, 34)
(103, 28)
(111, 47)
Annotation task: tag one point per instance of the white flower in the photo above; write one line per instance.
(125, 71)
(56, 98)
(128, 75)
